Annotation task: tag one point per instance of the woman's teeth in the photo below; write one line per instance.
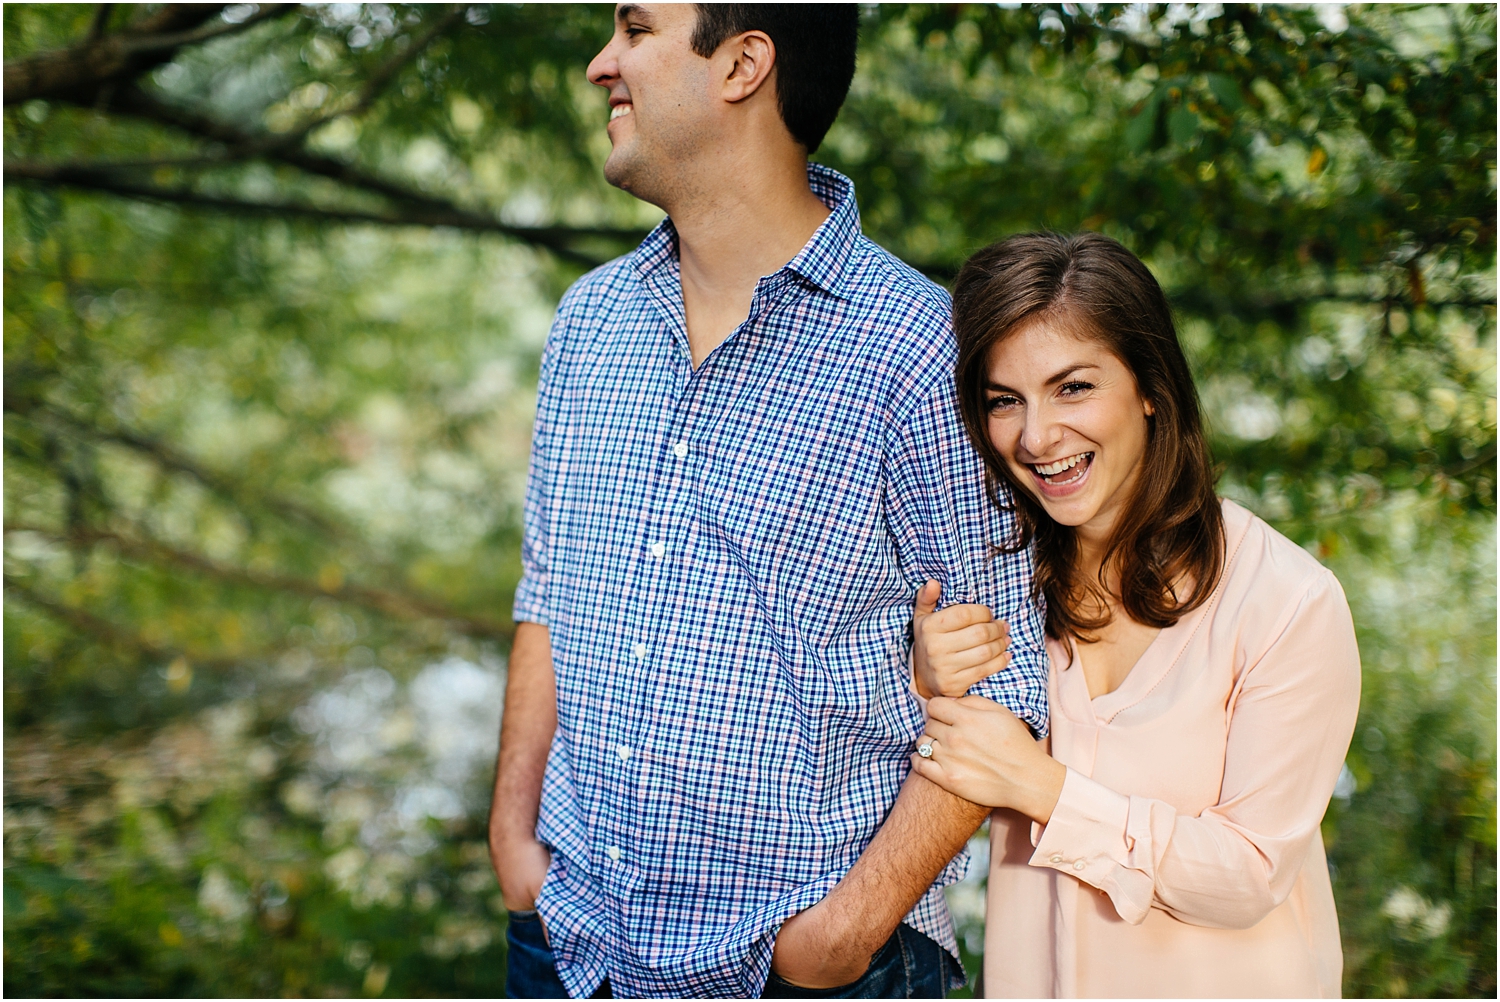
(619, 111)
(1049, 470)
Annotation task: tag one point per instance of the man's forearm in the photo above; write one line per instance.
(832, 943)
(926, 828)
(526, 730)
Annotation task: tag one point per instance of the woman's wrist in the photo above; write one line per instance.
(1044, 789)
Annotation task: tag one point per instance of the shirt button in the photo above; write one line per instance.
(1079, 864)
(624, 753)
(640, 651)
(613, 852)
(680, 450)
(1057, 857)
(658, 550)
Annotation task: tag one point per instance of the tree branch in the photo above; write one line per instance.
(228, 488)
(79, 73)
(379, 599)
(137, 102)
(1260, 303)
(556, 239)
(374, 84)
(116, 636)
(100, 21)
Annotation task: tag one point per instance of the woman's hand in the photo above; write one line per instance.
(983, 753)
(953, 649)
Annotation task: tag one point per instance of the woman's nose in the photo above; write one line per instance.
(1041, 433)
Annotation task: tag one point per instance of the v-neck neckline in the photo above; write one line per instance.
(1155, 662)
(1076, 660)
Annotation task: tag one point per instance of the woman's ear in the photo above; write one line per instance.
(1150, 408)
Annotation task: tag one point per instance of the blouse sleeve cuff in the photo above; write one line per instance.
(1088, 837)
(921, 700)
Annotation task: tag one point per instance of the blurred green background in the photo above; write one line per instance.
(276, 283)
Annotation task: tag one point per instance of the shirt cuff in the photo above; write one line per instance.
(530, 604)
(1089, 836)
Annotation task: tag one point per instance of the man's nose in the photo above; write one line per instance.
(604, 69)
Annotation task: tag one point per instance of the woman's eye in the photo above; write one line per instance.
(1073, 389)
(1001, 402)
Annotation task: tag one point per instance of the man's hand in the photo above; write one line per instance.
(520, 861)
(953, 649)
(831, 943)
(816, 949)
(521, 867)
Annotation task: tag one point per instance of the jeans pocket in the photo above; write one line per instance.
(876, 982)
(525, 928)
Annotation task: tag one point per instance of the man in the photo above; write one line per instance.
(746, 459)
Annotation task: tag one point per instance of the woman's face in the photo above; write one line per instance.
(1067, 417)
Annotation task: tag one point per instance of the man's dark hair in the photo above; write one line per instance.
(815, 45)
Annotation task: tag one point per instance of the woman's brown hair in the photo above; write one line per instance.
(1171, 531)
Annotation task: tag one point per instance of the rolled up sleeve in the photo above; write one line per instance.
(947, 530)
(530, 604)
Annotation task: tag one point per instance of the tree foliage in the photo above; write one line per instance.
(276, 283)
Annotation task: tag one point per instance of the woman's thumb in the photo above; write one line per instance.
(927, 598)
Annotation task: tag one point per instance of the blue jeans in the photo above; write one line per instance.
(530, 971)
(909, 966)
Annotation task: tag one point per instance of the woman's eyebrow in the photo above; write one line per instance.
(994, 387)
(1065, 373)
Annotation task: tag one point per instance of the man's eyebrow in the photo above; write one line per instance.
(626, 11)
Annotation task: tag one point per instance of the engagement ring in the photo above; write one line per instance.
(925, 749)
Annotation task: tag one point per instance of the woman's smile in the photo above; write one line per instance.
(1064, 476)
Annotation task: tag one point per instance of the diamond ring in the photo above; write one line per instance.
(925, 749)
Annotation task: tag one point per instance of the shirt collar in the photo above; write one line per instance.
(822, 259)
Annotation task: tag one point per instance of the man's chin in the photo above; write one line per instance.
(630, 173)
(616, 174)
(620, 171)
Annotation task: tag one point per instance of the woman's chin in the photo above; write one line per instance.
(1072, 512)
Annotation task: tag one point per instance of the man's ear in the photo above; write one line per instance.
(748, 60)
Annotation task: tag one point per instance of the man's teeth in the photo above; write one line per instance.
(1052, 469)
(619, 111)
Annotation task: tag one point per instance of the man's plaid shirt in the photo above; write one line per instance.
(726, 559)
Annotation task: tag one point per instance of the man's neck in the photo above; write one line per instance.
(749, 225)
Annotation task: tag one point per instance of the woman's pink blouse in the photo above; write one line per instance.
(1184, 856)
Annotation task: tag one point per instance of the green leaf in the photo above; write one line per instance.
(1141, 129)
(1227, 91)
(1182, 124)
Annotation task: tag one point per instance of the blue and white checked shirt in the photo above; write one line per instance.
(725, 560)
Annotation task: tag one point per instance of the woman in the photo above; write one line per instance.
(1204, 675)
